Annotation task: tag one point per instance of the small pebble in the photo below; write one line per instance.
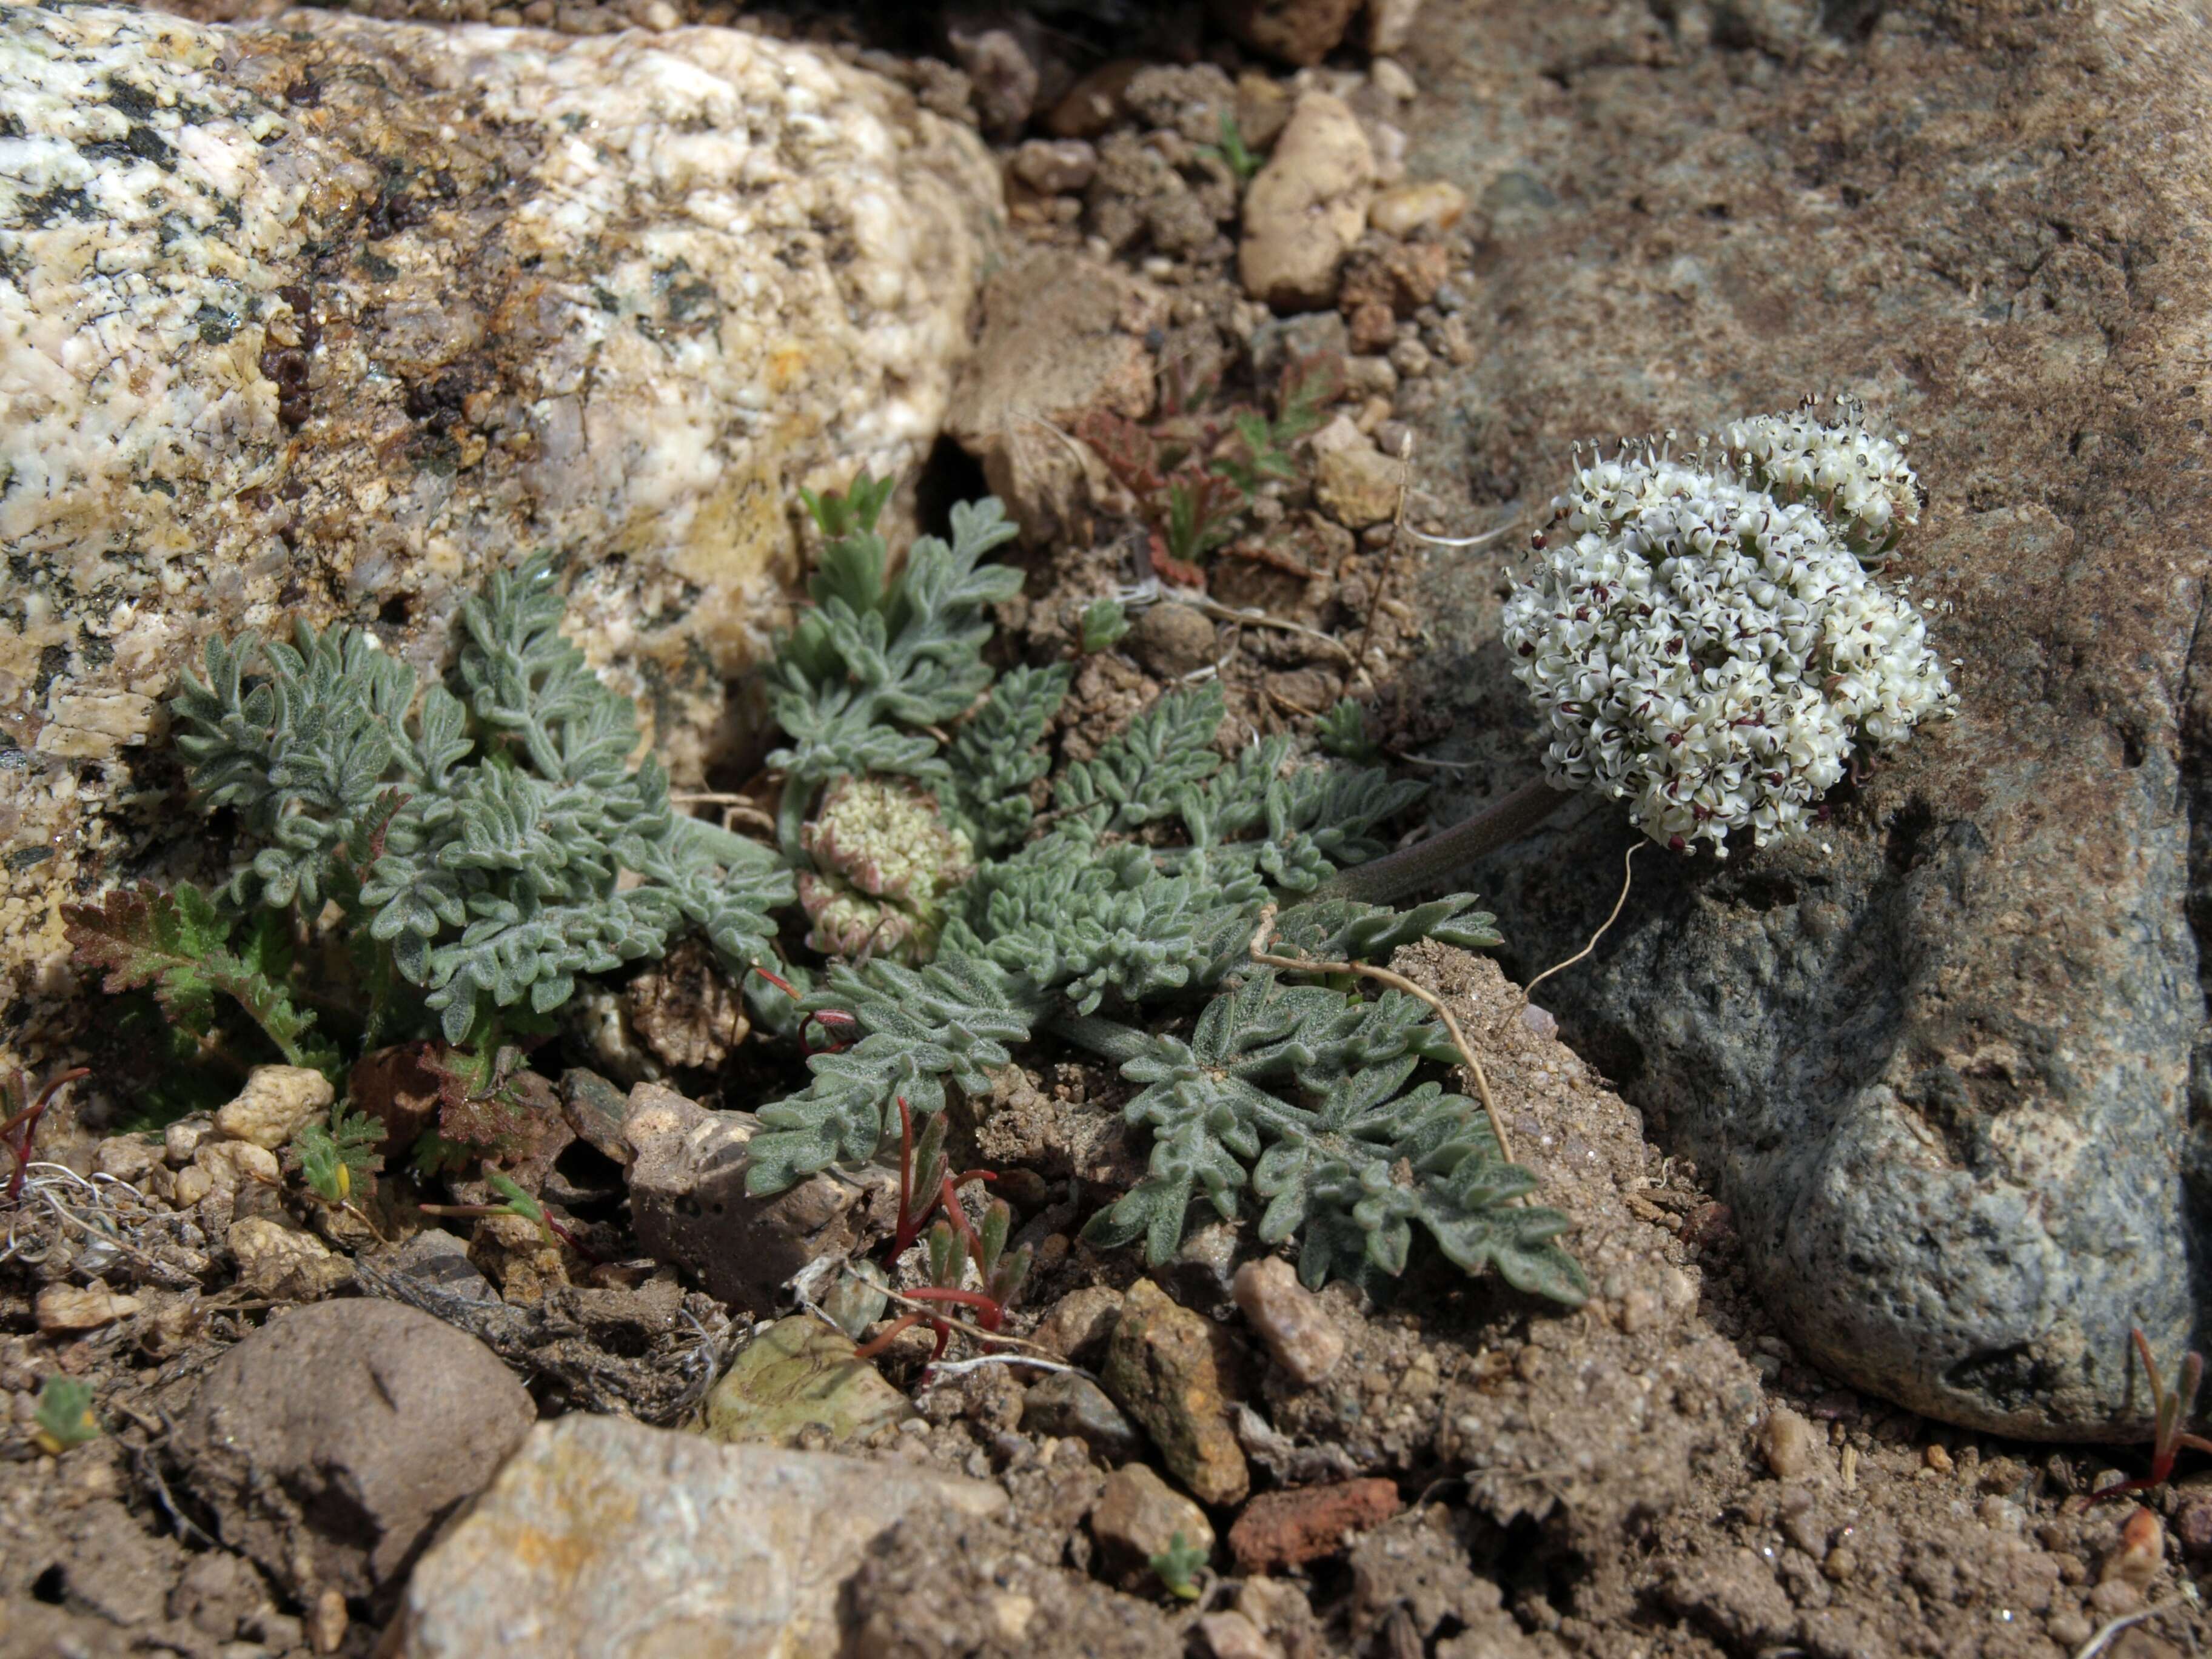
(1424, 204)
(1055, 167)
(1391, 79)
(1786, 1439)
(2141, 1551)
(277, 1103)
(1233, 1636)
(1290, 1319)
(62, 1308)
(1938, 1459)
(1138, 1514)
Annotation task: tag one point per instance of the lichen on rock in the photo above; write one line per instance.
(323, 319)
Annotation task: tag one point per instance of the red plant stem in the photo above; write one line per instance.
(990, 1312)
(950, 1199)
(574, 1242)
(776, 980)
(17, 1133)
(906, 1323)
(889, 1335)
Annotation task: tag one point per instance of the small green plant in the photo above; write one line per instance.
(486, 840)
(1342, 731)
(2171, 1408)
(514, 1201)
(1194, 473)
(1178, 1566)
(64, 1416)
(1146, 893)
(1231, 152)
(189, 952)
(927, 1182)
(340, 1158)
(1105, 625)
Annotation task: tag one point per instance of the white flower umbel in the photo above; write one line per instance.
(1703, 635)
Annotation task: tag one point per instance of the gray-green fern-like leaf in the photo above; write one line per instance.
(996, 755)
(1301, 1093)
(871, 655)
(910, 1029)
(484, 838)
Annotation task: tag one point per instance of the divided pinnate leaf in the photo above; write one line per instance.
(484, 837)
(179, 946)
(1301, 1093)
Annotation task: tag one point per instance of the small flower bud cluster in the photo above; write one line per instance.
(1859, 480)
(885, 862)
(1709, 651)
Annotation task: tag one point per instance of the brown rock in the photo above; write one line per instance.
(1095, 103)
(1788, 1443)
(686, 1008)
(1290, 1319)
(1137, 1515)
(1300, 33)
(1054, 166)
(1079, 1321)
(1172, 640)
(689, 1203)
(1389, 23)
(1288, 1528)
(1263, 108)
(64, 1309)
(1357, 485)
(1400, 275)
(285, 1264)
(277, 1103)
(1169, 1369)
(2193, 1525)
(1429, 204)
(1373, 326)
(1062, 334)
(331, 1442)
(1305, 209)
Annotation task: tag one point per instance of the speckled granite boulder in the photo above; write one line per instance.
(604, 1538)
(323, 317)
(1941, 1072)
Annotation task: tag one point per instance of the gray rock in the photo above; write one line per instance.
(603, 1539)
(264, 376)
(330, 1443)
(1943, 1073)
(1070, 1404)
(439, 1260)
(799, 1379)
(689, 1203)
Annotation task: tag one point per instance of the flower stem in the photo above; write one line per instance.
(1433, 863)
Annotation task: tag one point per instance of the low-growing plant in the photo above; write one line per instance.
(1105, 625)
(64, 1417)
(485, 838)
(1194, 471)
(1143, 894)
(1178, 1567)
(485, 845)
(2171, 1408)
(339, 1159)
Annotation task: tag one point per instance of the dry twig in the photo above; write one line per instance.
(1397, 981)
